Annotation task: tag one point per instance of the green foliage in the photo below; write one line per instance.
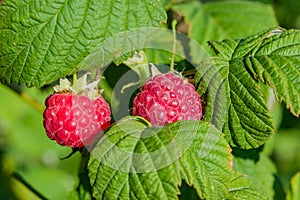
(243, 187)
(234, 103)
(42, 41)
(294, 191)
(225, 19)
(26, 150)
(125, 151)
(205, 165)
(82, 189)
(276, 62)
(271, 57)
(235, 49)
(134, 161)
(260, 172)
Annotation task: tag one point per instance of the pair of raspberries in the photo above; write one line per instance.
(74, 119)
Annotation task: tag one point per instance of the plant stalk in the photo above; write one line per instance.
(26, 97)
(174, 23)
(27, 185)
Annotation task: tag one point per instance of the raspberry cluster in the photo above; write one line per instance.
(75, 117)
(166, 98)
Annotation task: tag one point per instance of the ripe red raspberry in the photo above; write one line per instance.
(166, 98)
(73, 119)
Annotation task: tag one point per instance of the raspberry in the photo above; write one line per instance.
(165, 99)
(73, 119)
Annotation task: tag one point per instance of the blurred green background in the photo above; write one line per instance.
(25, 149)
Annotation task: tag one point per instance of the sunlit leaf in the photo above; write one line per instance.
(42, 41)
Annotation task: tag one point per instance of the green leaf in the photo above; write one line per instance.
(225, 48)
(275, 107)
(294, 190)
(157, 43)
(212, 85)
(242, 187)
(205, 165)
(261, 172)
(225, 19)
(135, 161)
(42, 41)
(272, 57)
(187, 192)
(233, 102)
(168, 3)
(250, 44)
(276, 62)
(249, 120)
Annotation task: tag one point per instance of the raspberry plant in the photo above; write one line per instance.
(235, 52)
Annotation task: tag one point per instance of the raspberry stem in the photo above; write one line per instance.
(74, 80)
(174, 23)
(32, 102)
(107, 89)
(142, 120)
(83, 175)
(139, 64)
